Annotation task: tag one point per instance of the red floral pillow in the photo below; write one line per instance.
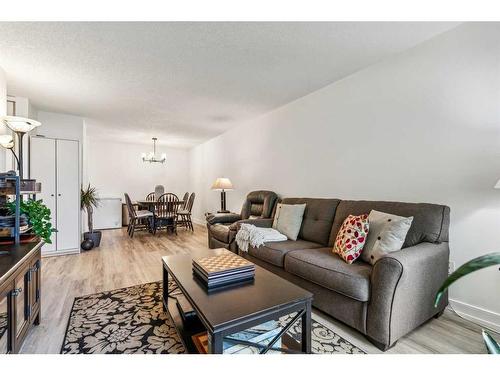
(351, 237)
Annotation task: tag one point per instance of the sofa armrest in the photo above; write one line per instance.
(260, 222)
(222, 218)
(403, 288)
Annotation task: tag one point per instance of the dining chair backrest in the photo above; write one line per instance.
(168, 205)
(189, 205)
(130, 206)
(150, 197)
(159, 191)
(185, 200)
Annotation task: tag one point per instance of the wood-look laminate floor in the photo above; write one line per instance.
(121, 261)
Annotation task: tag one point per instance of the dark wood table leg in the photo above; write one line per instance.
(215, 345)
(165, 288)
(306, 329)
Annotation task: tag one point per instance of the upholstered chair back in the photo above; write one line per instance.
(159, 191)
(259, 204)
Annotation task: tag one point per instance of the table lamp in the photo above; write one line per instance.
(222, 184)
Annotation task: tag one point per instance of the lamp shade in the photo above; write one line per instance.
(6, 141)
(497, 185)
(222, 183)
(20, 124)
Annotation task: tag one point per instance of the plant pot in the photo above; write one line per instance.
(87, 245)
(95, 236)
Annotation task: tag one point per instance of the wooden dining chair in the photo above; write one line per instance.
(185, 214)
(150, 197)
(138, 220)
(185, 200)
(166, 212)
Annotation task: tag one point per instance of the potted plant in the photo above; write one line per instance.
(473, 265)
(89, 201)
(38, 216)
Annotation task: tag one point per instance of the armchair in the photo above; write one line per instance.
(258, 209)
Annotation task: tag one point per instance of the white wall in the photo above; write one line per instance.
(423, 126)
(60, 125)
(117, 168)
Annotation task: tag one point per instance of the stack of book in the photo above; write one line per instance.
(222, 270)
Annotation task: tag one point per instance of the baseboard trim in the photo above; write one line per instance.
(198, 221)
(486, 318)
(60, 252)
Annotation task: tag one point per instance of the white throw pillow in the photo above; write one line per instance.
(387, 234)
(288, 219)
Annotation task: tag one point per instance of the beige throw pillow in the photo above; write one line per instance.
(387, 234)
(288, 219)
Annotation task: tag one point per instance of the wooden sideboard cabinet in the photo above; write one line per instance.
(20, 293)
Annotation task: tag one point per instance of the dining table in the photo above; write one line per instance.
(151, 205)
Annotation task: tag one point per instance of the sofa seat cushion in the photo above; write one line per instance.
(274, 252)
(328, 270)
(221, 232)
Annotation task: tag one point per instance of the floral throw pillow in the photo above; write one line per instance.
(351, 237)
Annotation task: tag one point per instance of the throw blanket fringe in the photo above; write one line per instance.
(251, 235)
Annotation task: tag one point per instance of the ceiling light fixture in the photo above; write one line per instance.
(151, 157)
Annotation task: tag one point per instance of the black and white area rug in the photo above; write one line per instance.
(131, 320)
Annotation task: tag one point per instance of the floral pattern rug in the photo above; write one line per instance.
(131, 320)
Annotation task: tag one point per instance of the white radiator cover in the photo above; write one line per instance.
(108, 214)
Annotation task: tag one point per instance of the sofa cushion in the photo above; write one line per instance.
(324, 268)
(221, 232)
(351, 238)
(274, 252)
(387, 235)
(288, 219)
(318, 218)
(430, 221)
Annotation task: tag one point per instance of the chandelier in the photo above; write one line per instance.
(151, 157)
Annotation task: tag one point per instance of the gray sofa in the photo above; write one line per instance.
(384, 301)
(258, 209)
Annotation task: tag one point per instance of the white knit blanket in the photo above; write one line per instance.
(251, 235)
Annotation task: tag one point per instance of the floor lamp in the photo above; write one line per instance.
(222, 184)
(20, 126)
(6, 141)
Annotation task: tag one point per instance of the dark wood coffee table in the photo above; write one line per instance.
(237, 308)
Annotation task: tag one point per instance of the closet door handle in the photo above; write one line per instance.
(58, 195)
(51, 195)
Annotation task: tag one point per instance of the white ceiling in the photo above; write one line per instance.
(188, 82)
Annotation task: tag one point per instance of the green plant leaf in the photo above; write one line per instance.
(89, 200)
(38, 217)
(491, 345)
(88, 197)
(473, 265)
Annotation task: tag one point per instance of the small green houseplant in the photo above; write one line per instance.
(473, 265)
(88, 201)
(38, 217)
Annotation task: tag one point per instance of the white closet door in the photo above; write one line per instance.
(68, 195)
(43, 169)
